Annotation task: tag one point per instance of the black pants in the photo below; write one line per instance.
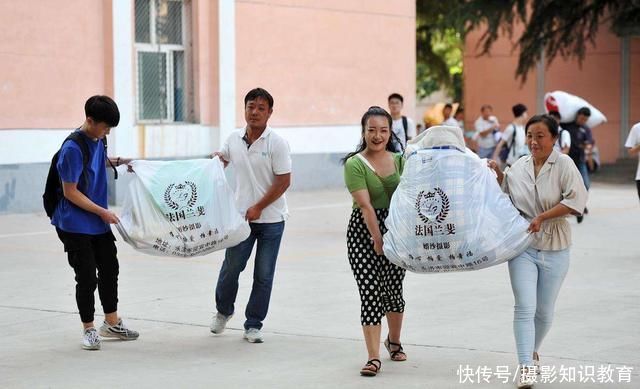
(379, 281)
(88, 254)
(638, 186)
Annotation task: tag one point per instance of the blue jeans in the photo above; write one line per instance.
(486, 152)
(584, 172)
(536, 277)
(268, 236)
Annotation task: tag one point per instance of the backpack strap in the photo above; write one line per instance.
(106, 155)
(80, 140)
(513, 140)
(82, 143)
(405, 125)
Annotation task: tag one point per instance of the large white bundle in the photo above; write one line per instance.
(437, 136)
(449, 214)
(568, 105)
(180, 209)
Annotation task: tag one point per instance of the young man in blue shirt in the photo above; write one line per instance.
(82, 222)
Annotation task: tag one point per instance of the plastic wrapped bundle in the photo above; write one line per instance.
(180, 209)
(449, 214)
(568, 105)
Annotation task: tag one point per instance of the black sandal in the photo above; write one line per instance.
(365, 371)
(394, 354)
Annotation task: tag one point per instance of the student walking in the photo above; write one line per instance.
(82, 220)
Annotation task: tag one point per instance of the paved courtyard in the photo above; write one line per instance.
(312, 334)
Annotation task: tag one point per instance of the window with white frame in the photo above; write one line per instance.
(164, 87)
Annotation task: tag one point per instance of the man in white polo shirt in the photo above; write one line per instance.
(262, 163)
(485, 126)
(633, 146)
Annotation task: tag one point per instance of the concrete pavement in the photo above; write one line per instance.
(312, 334)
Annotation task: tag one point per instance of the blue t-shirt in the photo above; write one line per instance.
(67, 216)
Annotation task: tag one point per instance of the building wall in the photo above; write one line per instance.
(51, 59)
(491, 79)
(634, 88)
(324, 62)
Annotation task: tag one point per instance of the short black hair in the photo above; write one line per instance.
(102, 109)
(396, 96)
(448, 105)
(584, 111)
(259, 93)
(555, 114)
(485, 106)
(518, 110)
(459, 110)
(547, 120)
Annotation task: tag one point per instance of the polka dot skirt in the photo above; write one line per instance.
(379, 281)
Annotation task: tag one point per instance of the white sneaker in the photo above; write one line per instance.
(90, 339)
(526, 378)
(253, 335)
(219, 323)
(119, 331)
(536, 362)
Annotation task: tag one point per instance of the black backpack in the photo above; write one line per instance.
(394, 138)
(53, 187)
(508, 148)
(405, 125)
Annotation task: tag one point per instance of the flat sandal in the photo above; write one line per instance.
(365, 371)
(394, 354)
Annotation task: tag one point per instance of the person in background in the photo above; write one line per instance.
(486, 125)
(564, 139)
(537, 274)
(513, 138)
(448, 118)
(581, 143)
(633, 146)
(404, 129)
(468, 133)
(419, 128)
(371, 174)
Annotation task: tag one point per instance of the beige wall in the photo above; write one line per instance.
(205, 60)
(51, 59)
(634, 88)
(325, 62)
(490, 79)
(597, 81)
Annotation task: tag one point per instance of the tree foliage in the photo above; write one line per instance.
(556, 27)
(439, 47)
(562, 28)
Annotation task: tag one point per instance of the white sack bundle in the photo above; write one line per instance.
(449, 214)
(568, 105)
(180, 209)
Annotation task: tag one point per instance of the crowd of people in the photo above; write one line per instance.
(506, 144)
(541, 152)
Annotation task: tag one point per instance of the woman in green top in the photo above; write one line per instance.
(372, 174)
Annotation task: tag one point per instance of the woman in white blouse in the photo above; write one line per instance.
(545, 187)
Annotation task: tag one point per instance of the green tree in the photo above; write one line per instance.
(439, 47)
(554, 27)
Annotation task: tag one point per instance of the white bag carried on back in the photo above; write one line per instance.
(180, 209)
(568, 105)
